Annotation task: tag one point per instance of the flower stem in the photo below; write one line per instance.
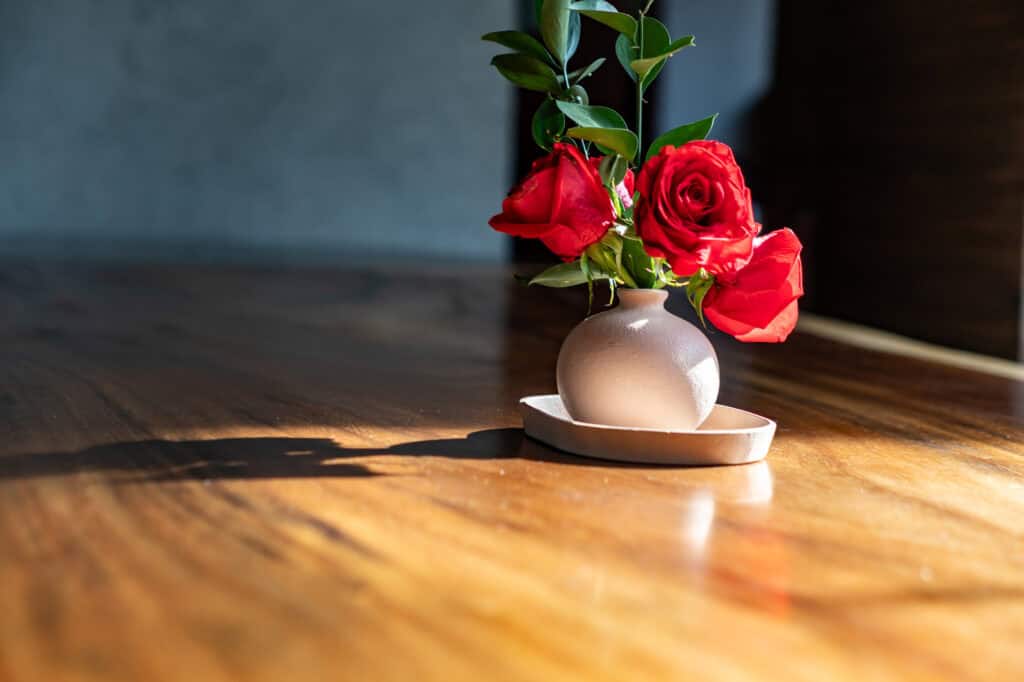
(627, 278)
(640, 81)
(639, 117)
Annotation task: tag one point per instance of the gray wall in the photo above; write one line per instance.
(727, 72)
(263, 126)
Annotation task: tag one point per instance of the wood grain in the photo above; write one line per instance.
(244, 474)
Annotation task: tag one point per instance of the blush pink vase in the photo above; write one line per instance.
(638, 365)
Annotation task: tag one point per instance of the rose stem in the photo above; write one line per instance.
(640, 82)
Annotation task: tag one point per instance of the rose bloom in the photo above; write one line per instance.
(695, 209)
(562, 202)
(759, 303)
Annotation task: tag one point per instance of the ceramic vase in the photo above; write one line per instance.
(639, 366)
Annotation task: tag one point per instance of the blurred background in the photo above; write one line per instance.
(888, 135)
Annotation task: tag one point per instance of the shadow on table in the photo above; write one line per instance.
(255, 458)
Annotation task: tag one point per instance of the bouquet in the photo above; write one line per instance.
(678, 214)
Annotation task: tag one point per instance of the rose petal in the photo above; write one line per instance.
(562, 202)
(695, 208)
(758, 303)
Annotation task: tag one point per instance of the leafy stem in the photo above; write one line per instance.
(640, 79)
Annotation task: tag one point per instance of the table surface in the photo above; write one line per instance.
(289, 474)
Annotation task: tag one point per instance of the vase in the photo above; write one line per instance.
(639, 366)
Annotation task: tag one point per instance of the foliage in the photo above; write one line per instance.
(643, 47)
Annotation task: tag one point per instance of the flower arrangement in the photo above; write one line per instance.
(681, 217)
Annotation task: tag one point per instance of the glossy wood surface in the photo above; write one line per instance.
(244, 474)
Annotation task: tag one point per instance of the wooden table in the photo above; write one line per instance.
(313, 474)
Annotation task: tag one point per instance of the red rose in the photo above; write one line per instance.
(562, 202)
(759, 303)
(695, 209)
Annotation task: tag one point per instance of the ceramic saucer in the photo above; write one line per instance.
(728, 436)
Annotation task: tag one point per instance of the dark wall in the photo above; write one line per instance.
(888, 135)
(894, 141)
(326, 126)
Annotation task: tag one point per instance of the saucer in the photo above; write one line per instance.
(727, 436)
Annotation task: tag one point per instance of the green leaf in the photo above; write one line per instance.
(578, 95)
(656, 40)
(608, 254)
(601, 258)
(656, 37)
(579, 74)
(521, 42)
(627, 213)
(605, 13)
(613, 170)
(556, 28)
(527, 72)
(651, 76)
(639, 263)
(538, 7)
(698, 130)
(574, 36)
(565, 275)
(548, 124)
(643, 66)
(626, 52)
(585, 267)
(592, 116)
(619, 140)
(599, 5)
(696, 289)
(609, 140)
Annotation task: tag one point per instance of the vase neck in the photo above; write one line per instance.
(642, 298)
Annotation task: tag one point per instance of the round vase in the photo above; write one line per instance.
(638, 365)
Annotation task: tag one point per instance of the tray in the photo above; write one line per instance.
(728, 436)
